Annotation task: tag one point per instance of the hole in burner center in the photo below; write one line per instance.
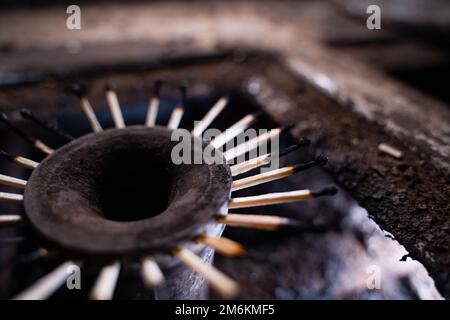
(133, 186)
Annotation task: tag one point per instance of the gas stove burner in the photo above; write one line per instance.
(81, 195)
(115, 195)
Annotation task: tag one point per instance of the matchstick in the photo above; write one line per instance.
(153, 105)
(90, 115)
(106, 282)
(151, 273)
(209, 117)
(251, 164)
(222, 245)
(21, 161)
(175, 118)
(234, 130)
(262, 222)
(46, 286)
(11, 198)
(177, 113)
(80, 92)
(254, 143)
(277, 198)
(26, 163)
(27, 114)
(276, 174)
(12, 182)
(390, 150)
(114, 106)
(38, 144)
(10, 220)
(265, 159)
(224, 285)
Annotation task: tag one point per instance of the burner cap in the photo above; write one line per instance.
(117, 192)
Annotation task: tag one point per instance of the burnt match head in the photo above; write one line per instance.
(321, 160)
(26, 113)
(305, 226)
(109, 87)
(328, 191)
(79, 89)
(287, 128)
(258, 114)
(302, 143)
(318, 161)
(183, 92)
(157, 88)
(118, 192)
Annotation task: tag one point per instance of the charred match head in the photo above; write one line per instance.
(328, 191)
(157, 88)
(110, 87)
(79, 89)
(183, 92)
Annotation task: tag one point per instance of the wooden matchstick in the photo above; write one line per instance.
(263, 178)
(26, 163)
(276, 174)
(251, 164)
(250, 144)
(175, 117)
(114, 106)
(153, 105)
(277, 198)
(390, 150)
(12, 182)
(254, 143)
(262, 222)
(234, 130)
(265, 159)
(38, 144)
(27, 114)
(209, 117)
(80, 92)
(46, 286)
(11, 220)
(224, 285)
(21, 161)
(90, 115)
(222, 245)
(106, 282)
(11, 198)
(177, 113)
(152, 114)
(151, 273)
